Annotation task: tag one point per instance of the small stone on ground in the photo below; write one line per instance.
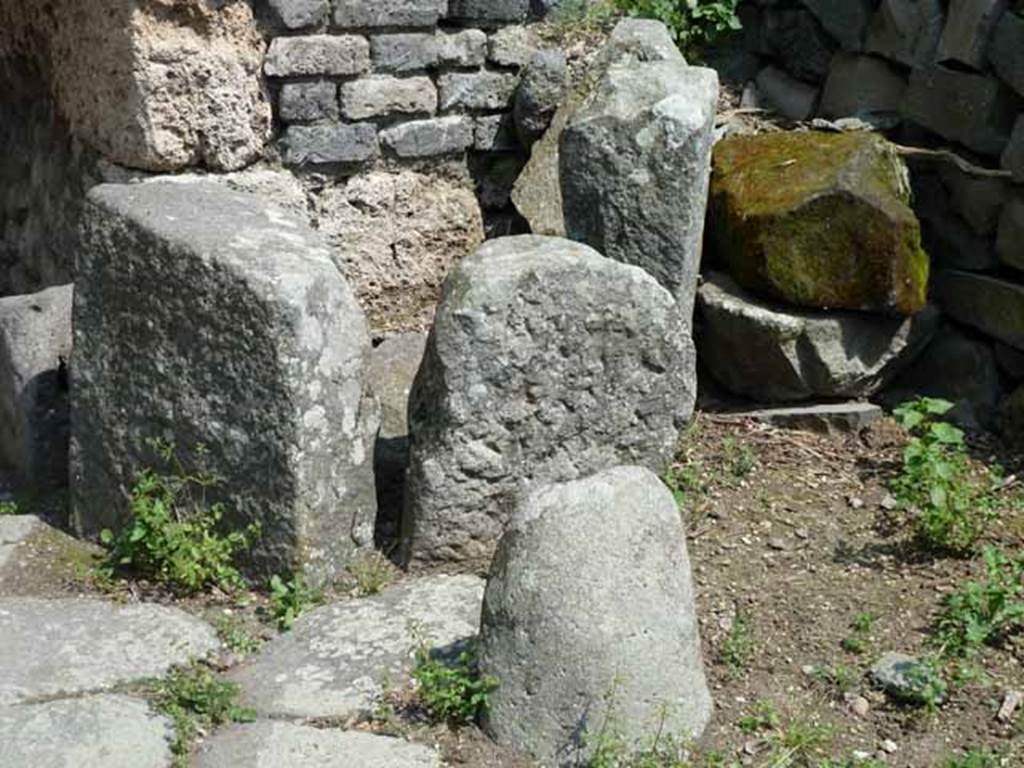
(14, 529)
(825, 418)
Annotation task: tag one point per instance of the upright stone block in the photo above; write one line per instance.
(991, 305)
(526, 381)
(489, 12)
(1007, 51)
(1010, 240)
(313, 55)
(467, 48)
(35, 344)
(589, 621)
(404, 52)
(388, 13)
(907, 31)
(975, 110)
(969, 28)
(635, 163)
(330, 143)
(307, 102)
(1013, 156)
(477, 90)
(429, 138)
(861, 85)
(846, 20)
(296, 14)
(380, 95)
(209, 317)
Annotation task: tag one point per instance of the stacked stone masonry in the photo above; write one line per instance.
(356, 81)
(931, 74)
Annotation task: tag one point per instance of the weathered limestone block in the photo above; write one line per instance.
(589, 619)
(307, 102)
(380, 95)
(845, 20)
(634, 167)
(1007, 51)
(330, 143)
(429, 138)
(296, 14)
(395, 236)
(968, 31)
(537, 194)
(476, 90)
(252, 345)
(818, 220)
(512, 46)
(388, 13)
(404, 52)
(525, 381)
(311, 55)
(496, 133)
(793, 99)
(1010, 240)
(975, 110)
(861, 85)
(489, 11)
(35, 344)
(467, 48)
(992, 305)
(907, 31)
(773, 353)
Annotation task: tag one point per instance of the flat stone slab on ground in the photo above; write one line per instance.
(14, 529)
(285, 745)
(103, 731)
(72, 646)
(827, 418)
(337, 659)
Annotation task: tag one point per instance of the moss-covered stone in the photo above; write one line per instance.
(819, 220)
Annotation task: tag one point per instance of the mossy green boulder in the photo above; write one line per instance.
(819, 220)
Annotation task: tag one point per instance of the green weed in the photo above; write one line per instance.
(798, 743)
(737, 649)
(197, 702)
(290, 599)
(762, 716)
(952, 506)
(858, 640)
(173, 536)
(694, 24)
(9, 508)
(370, 573)
(976, 758)
(983, 613)
(452, 691)
(235, 636)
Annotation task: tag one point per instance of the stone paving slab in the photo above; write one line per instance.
(337, 659)
(103, 731)
(14, 529)
(72, 646)
(824, 418)
(285, 745)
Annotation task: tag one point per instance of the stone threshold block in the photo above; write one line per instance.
(209, 317)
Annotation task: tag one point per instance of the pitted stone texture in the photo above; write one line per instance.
(253, 346)
(379, 95)
(539, 95)
(467, 48)
(590, 596)
(395, 236)
(476, 90)
(991, 305)
(635, 163)
(976, 110)
(286, 745)
(330, 143)
(772, 353)
(14, 529)
(296, 14)
(102, 731)
(526, 381)
(35, 339)
(338, 659)
(317, 55)
(404, 52)
(388, 13)
(429, 138)
(489, 11)
(512, 46)
(537, 194)
(907, 31)
(307, 102)
(91, 645)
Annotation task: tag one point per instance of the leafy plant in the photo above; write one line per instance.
(235, 636)
(952, 507)
(694, 23)
(290, 599)
(9, 508)
(926, 684)
(841, 679)
(452, 690)
(196, 701)
(371, 572)
(976, 758)
(983, 613)
(173, 536)
(857, 641)
(762, 716)
(798, 743)
(737, 649)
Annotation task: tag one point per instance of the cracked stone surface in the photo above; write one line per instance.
(104, 731)
(337, 659)
(285, 745)
(74, 646)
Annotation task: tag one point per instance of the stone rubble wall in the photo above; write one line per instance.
(933, 75)
(360, 81)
